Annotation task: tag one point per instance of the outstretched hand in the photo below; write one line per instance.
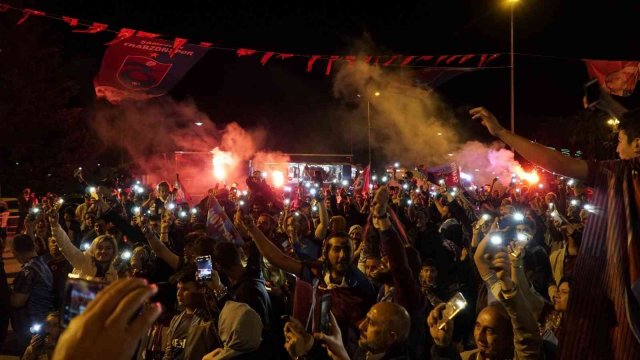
(297, 341)
(243, 222)
(488, 120)
(441, 337)
(381, 201)
(111, 323)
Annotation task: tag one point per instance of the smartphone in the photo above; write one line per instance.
(452, 308)
(77, 296)
(94, 193)
(592, 93)
(205, 266)
(497, 238)
(245, 207)
(325, 314)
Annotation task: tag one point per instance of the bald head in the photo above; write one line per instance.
(493, 332)
(395, 317)
(386, 324)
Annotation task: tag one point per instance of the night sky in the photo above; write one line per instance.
(283, 97)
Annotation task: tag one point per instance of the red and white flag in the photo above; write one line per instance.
(183, 195)
(363, 180)
(615, 77)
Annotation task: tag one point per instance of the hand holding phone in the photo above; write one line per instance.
(78, 294)
(452, 308)
(113, 322)
(441, 334)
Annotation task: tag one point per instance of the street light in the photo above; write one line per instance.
(375, 93)
(512, 3)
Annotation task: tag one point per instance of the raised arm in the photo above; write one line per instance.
(549, 159)
(483, 265)
(266, 247)
(75, 256)
(321, 230)
(527, 341)
(161, 250)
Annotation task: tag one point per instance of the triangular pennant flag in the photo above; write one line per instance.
(206, 44)
(28, 12)
(390, 61)
(122, 34)
(266, 57)
(465, 58)
(245, 52)
(483, 59)
(330, 62)
(284, 56)
(311, 61)
(425, 58)
(177, 44)
(71, 21)
(93, 28)
(407, 60)
(440, 58)
(492, 57)
(452, 59)
(4, 7)
(146, 34)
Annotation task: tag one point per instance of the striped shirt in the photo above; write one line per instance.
(602, 321)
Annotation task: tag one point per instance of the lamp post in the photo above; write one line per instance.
(512, 3)
(375, 93)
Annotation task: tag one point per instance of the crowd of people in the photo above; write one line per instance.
(407, 270)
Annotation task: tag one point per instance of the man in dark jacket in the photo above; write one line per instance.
(247, 286)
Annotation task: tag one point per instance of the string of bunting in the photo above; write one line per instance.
(426, 61)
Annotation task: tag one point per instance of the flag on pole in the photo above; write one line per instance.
(361, 184)
(219, 225)
(183, 195)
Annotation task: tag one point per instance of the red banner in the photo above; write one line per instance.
(615, 77)
(140, 68)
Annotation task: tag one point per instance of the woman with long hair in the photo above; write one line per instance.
(95, 262)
